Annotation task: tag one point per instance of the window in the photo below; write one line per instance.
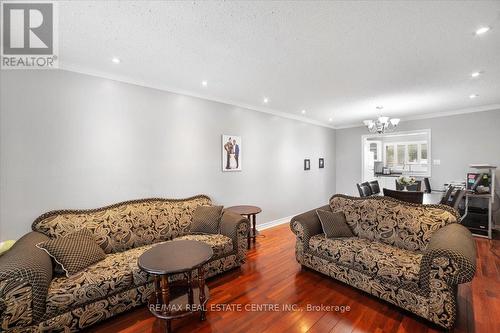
(423, 153)
(401, 153)
(389, 154)
(412, 153)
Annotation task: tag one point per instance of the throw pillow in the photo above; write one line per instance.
(206, 219)
(75, 251)
(334, 224)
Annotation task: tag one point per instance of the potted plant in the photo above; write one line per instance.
(406, 181)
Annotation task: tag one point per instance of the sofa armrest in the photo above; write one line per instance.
(25, 275)
(450, 256)
(306, 225)
(236, 227)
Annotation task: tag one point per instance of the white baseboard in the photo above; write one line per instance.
(274, 223)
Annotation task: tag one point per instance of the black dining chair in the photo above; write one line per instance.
(457, 199)
(364, 189)
(408, 196)
(427, 183)
(447, 195)
(374, 187)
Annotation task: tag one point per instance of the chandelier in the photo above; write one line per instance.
(381, 124)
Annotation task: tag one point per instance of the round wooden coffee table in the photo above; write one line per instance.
(177, 299)
(250, 212)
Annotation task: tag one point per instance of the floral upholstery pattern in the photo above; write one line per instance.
(221, 245)
(125, 225)
(115, 284)
(371, 258)
(410, 255)
(393, 222)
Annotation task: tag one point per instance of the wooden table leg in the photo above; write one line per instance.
(190, 288)
(249, 234)
(165, 295)
(254, 227)
(201, 285)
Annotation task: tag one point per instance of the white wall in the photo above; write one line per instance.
(69, 140)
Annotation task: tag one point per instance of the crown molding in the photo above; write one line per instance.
(129, 80)
(438, 114)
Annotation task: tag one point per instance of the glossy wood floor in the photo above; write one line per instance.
(272, 276)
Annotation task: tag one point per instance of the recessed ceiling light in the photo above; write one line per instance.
(482, 30)
(330, 119)
(473, 96)
(476, 74)
(204, 83)
(303, 111)
(116, 60)
(266, 100)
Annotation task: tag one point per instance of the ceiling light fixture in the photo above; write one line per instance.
(116, 60)
(381, 124)
(482, 30)
(330, 119)
(303, 111)
(204, 83)
(473, 96)
(266, 100)
(476, 74)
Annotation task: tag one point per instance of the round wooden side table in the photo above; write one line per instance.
(250, 213)
(177, 299)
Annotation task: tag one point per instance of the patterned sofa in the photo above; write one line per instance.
(411, 255)
(33, 298)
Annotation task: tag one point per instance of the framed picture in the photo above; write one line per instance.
(307, 164)
(321, 162)
(231, 152)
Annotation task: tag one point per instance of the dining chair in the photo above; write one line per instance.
(408, 196)
(364, 189)
(447, 195)
(374, 187)
(427, 183)
(457, 199)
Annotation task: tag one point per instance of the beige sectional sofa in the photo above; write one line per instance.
(411, 255)
(33, 298)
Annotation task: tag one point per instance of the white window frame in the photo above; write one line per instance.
(406, 158)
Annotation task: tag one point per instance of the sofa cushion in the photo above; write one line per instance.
(74, 251)
(206, 219)
(373, 258)
(221, 245)
(108, 276)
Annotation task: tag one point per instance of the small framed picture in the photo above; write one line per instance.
(307, 164)
(321, 163)
(231, 152)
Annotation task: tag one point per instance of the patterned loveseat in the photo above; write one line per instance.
(33, 298)
(411, 255)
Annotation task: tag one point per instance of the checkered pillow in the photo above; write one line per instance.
(334, 224)
(206, 219)
(75, 251)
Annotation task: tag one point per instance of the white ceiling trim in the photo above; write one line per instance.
(129, 80)
(438, 114)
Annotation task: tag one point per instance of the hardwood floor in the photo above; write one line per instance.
(272, 276)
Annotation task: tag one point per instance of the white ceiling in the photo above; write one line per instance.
(334, 59)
